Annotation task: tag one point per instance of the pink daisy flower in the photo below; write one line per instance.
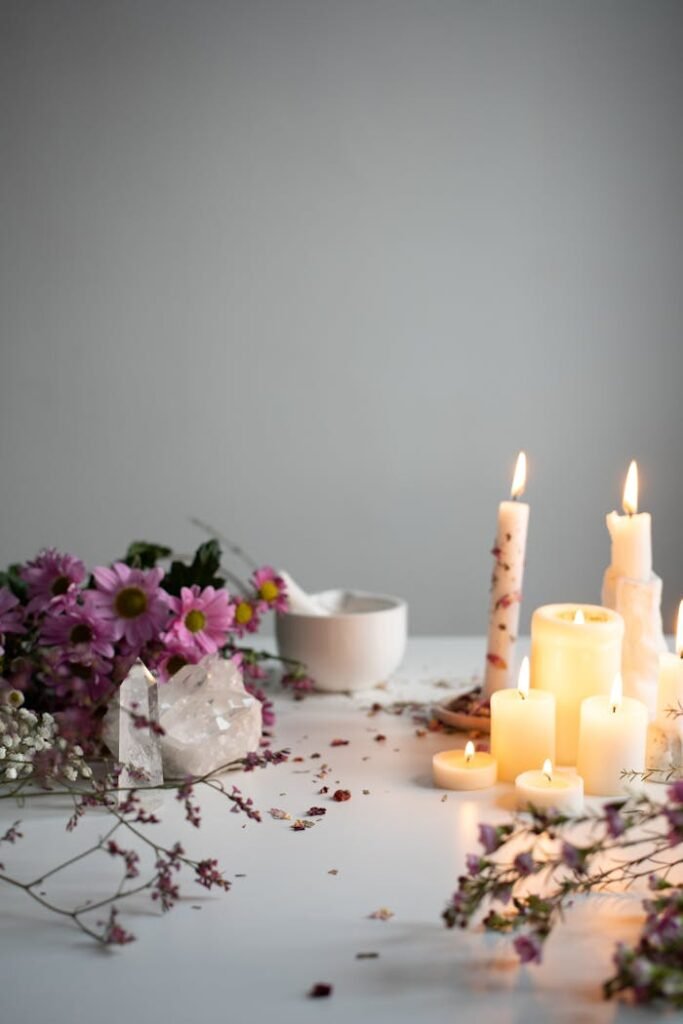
(132, 600)
(51, 575)
(10, 612)
(79, 626)
(203, 618)
(271, 588)
(246, 615)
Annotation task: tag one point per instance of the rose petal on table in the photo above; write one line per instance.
(321, 990)
(383, 914)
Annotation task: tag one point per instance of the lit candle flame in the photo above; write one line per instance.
(630, 502)
(616, 692)
(579, 617)
(469, 751)
(679, 632)
(519, 478)
(523, 679)
(548, 769)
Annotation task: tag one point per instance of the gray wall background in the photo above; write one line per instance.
(314, 270)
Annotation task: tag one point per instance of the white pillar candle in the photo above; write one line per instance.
(522, 727)
(631, 534)
(506, 584)
(464, 769)
(670, 686)
(612, 739)
(545, 789)
(575, 653)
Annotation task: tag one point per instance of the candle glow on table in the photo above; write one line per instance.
(522, 727)
(575, 653)
(546, 789)
(506, 583)
(670, 688)
(612, 739)
(464, 769)
(631, 534)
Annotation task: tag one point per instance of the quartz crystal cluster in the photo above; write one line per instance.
(208, 718)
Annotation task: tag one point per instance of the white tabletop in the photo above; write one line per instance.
(250, 955)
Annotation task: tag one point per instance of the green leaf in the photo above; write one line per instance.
(143, 555)
(203, 571)
(11, 578)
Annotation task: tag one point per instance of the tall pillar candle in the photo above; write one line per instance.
(665, 735)
(522, 727)
(575, 653)
(631, 588)
(506, 584)
(612, 740)
(631, 534)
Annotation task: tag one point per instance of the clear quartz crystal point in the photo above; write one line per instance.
(139, 748)
(208, 718)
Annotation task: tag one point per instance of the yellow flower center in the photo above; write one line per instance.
(80, 634)
(244, 613)
(60, 585)
(195, 620)
(174, 664)
(269, 590)
(130, 602)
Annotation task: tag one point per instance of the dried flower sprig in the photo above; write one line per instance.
(533, 867)
(130, 823)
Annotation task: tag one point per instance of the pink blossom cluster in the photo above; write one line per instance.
(68, 638)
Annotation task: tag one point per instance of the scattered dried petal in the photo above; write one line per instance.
(383, 914)
(300, 824)
(321, 990)
(316, 812)
(279, 814)
(341, 794)
(339, 743)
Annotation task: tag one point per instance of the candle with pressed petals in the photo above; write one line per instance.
(464, 769)
(506, 583)
(522, 727)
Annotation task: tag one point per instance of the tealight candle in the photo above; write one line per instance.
(506, 583)
(522, 727)
(575, 653)
(464, 769)
(612, 739)
(544, 790)
(631, 534)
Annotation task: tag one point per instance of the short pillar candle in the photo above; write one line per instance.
(575, 653)
(522, 727)
(612, 740)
